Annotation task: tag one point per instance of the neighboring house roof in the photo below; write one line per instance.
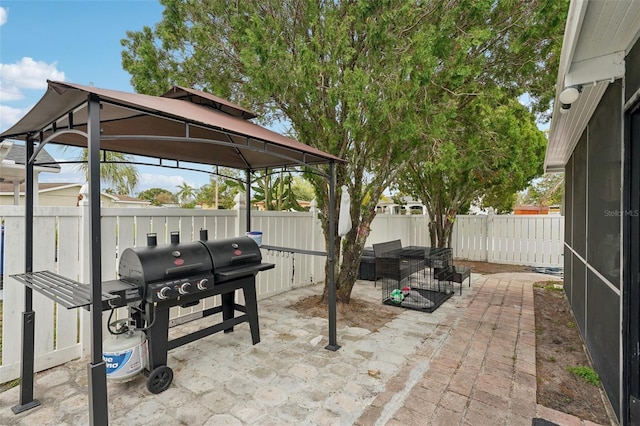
(598, 36)
(6, 188)
(12, 159)
(127, 199)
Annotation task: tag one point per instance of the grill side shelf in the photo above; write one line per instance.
(226, 274)
(67, 292)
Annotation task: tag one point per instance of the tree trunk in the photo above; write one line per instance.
(348, 260)
(441, 229)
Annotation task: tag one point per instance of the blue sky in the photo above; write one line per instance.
(76, 41)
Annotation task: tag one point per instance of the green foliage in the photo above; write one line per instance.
(495, 150)
(302, 188)
(547, 190)
(586, 373)
(375, 83)
(158, 196)
(185, 193)
(114, 170)
(501, 201)
(216, 194)
(275, 191)
(223, 186)
(550, 285)
(481, 142)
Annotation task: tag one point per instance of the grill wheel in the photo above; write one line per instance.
(159, 379)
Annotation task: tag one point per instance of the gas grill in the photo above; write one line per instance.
(155, 278)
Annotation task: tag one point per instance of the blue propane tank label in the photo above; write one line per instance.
(116, 362)
(122, 365)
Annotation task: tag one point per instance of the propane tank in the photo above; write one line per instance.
(125, 353)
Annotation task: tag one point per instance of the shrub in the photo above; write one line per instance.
(586, 373)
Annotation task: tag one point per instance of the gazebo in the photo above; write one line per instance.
(183, 125)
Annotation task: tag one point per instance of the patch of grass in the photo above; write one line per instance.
(8, 385)
(586, 373)
(549, 285)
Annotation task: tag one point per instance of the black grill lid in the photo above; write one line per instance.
(143, 265)
(231, 253)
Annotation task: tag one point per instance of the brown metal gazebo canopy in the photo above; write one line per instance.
(183, 125)
(154, 126)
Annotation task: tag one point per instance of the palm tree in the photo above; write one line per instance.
(185, 191)
(113, 171)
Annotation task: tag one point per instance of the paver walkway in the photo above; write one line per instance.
(471, 362)
(482, 373)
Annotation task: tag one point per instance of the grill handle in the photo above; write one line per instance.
(183, 269)
(243, 257)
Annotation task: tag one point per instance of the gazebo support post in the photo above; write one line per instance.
(97, 368)
(333, 343)
(247, 193)
(28, 316)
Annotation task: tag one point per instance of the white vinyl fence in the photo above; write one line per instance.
(60, 246)
(534, 240)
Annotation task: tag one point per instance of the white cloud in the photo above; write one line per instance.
(149, 180)
(9, 93)
(29, 74)
(14, 78)
(68, 174)
(9, 116)
(3, 16)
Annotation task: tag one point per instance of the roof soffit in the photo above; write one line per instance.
(597, 37)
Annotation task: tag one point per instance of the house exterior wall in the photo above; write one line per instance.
(631, 226)
(593, 238)
(59, 197)
(65, 196)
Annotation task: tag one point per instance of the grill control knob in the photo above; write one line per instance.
(163, 293)
(202, 285)
(184, 288)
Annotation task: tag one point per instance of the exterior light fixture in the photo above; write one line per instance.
(564, 108)
(570, 94)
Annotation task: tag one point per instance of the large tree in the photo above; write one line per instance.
(353, 78)
(340, 72)
(497, 149)
(158, 196)
(496, 53)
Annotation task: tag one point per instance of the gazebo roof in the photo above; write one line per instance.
(183, 125)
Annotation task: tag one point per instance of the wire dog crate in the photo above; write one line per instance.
(416, 277)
